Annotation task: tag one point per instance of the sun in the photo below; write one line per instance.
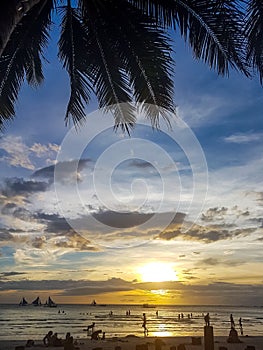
(157, 272)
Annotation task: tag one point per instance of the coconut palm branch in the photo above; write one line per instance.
(254, 34)
(72, 49)
(22, 57)
(119, 50)
(143, 56)
(105, 67)
(213, 28)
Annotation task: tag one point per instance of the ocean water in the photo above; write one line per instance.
(31, 322)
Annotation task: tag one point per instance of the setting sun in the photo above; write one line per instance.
(157, 272)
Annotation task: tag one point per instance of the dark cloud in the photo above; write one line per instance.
(4, 275)
(69, 287)
(22, 214)
(213, 213)
(38, 242)
(139, 163)
(58, 224)
(99, 287)
(20, 187)
(8, 208)
(54, 222)
(65, 170)
(204, 233)
(212, 261)
(17, 212)
(5, 235)
(72, 240)
(132, 219)
(122, 220)
(217, 292)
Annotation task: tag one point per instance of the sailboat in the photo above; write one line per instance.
(50, 303)
(36, 302)
(23, 302)
(93, 303)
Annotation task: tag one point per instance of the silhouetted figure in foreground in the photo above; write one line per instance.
(47, 340)
(233, 336)
(95, 335)
(207, 319)
(55, 341)
(68, 344)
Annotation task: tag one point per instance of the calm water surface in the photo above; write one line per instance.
(33, 322)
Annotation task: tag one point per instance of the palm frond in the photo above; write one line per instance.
(163, 12)
(147, 53)
(7, 13)
(214, 31)
(73, 53)
(106, 69)
(22, 57)
(254, 34)
(213, 28)
(143, 62)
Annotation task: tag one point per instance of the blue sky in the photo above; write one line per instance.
(83, 237)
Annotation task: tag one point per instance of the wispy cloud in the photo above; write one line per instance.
(244, 137)
(19, 154)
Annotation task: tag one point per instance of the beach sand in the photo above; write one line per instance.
(130, 342)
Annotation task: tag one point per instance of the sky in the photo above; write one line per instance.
(169, 216)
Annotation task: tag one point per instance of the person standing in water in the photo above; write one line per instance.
(232, 322)
(240, 325)
(144, 324)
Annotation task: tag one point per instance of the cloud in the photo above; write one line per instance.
(72, 241)
(20, 187)
(41, 150)
(69, 287)
(213, 213)
(18, 154)
(5, 235)
(141, 164)
(99, 287)
(206, 234)
(8, 208)
(5, 275)
(216, 261)
(240, 138)
(65, 171)
(206, 294)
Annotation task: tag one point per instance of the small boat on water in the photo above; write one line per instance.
(93, 303)
(37, 302)
(50, 303)
(23, 302)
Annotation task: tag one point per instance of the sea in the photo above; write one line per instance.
(33, 322)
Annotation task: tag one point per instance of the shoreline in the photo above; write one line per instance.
(129, 343)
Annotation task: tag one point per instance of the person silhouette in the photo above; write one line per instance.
(207, 319)
(240, 325)
(144, 324)
(232, 322)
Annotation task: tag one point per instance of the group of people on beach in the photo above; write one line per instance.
(233, 335)
(51, 339)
